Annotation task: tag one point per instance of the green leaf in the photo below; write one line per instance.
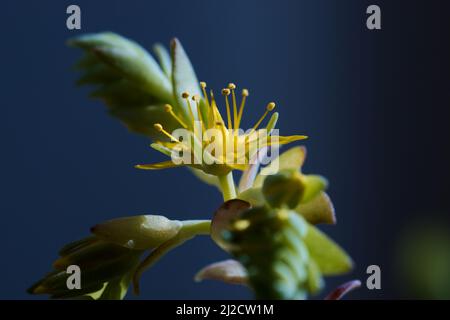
(91, 255)
(318, 210)
(254, 196)
(329, 257)
(142, 120)
(183, 78)
(314, 184)
(228, 271)
(315, 281)
(290, 159)
(343, 289)
(164, 59)
(284, 188)
(138, 232)
(129, 59)
(117, 289)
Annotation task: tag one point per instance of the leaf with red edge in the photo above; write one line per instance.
(343, 289)
(228, 211)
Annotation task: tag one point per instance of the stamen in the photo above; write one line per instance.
(226, 93)
(168, 108)
(160, 128)
(213, 102)
(269, 108)
(224, 140)
(203, 86)
(241, 108)
(185, 95)
(232, 87)
(196, 99)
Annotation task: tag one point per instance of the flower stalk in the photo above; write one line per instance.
(227, 186)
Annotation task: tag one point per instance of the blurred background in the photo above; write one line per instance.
(374, 103)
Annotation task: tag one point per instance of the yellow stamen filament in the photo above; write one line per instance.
(196, 99)
(213, 102)
(168, 108)
(241, 108)
(185, 95)
(232, 87)
(224, 140)
(203, 86)
(226, 93)
(269, 108)
(160, 128)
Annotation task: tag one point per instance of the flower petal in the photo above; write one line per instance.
(157, 166)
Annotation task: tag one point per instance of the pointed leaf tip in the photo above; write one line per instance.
(228, 271)
(342, 290)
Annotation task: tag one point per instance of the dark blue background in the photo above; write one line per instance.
(374, 103)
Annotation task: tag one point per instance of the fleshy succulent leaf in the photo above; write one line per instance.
(318, 210)
(229, 271)
(290, 159)
(314, 184)
(164, 59)
(127, 79)
(329, 256)
(129, 59)
(183, 77)
(222, 218)
(342, 290)
(138, 232)
(284, 188)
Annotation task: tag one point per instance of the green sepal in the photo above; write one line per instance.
(329, 256)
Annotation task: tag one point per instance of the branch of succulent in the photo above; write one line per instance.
(268, 220)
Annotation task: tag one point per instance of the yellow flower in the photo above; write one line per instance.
(206, 142)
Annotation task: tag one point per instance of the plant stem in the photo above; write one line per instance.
(189, 230)
(227, 186)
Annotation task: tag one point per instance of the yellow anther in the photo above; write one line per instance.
(185, 95)
(231, 86)
(270, 106)
(244, 92)
(168, 108)
(203, 86)
(225, 92)
(160, 128)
